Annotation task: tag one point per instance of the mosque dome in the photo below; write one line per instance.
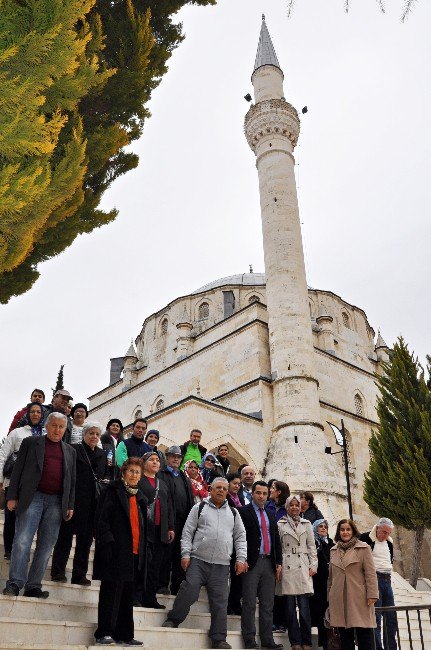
(244, 279)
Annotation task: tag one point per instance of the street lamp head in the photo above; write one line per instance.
(328, 450)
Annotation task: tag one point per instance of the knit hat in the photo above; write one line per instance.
(115, 421)
(154, 432)
(148, 455)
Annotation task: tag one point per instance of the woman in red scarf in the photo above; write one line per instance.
(199, 487)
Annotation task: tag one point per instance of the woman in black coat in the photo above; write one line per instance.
(161, 525)
(121, 554)
(319, 600)
(110, 439)
(90, 463)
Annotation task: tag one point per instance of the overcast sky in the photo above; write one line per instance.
(190, 212)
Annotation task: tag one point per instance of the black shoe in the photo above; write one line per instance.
(36, 592)
(7, 556)
(220, 644)
(11, 590)
(60, 577)
(106, 640)
(152, 605)
(251, 644)
(84, 582)
(129, 643)
(169, 623)
(236, 611)
(272, 646)
(164, 591)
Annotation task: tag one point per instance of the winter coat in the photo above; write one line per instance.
(277, 511)
(167, 519)
(113, 555)
(312, 514)
(11, 445)
(350, 583)
(225, 463)
(299, 555)
(319, 601)
(85, 496)
(213, 535)
(167, 476)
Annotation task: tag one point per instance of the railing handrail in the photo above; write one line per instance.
(402, 608)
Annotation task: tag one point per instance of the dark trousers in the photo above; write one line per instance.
(279, 613)
(84, 539)
(215, 578)
(8, 526)
(386, 599)
(364, 636)
(115, 609)
(235, 591)
(171, 570)
(259, 582)
(155, 556)
(299, 633)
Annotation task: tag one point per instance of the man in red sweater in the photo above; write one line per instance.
(41, 491)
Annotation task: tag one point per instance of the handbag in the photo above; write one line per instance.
(99, 483)
(151, 509)
(9, 464)
(332, 634)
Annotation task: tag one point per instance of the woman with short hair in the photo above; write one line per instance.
(309, 510)
(234, 484)
(161, 526)
(78, 413)
(352, 587)
(298, 567)
(90, 467)
(223, 458)
(120, 554)
(109, 440)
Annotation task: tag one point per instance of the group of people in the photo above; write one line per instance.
(172, 522)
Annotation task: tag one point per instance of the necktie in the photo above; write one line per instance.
(264, 532)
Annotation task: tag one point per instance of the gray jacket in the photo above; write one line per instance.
(212, 536)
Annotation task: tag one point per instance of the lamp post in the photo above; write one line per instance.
(340, 438)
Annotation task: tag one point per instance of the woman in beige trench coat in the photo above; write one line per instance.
(299, 565)
(352, 588)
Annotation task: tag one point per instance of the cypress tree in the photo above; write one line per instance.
(398, 481)
(60, 381)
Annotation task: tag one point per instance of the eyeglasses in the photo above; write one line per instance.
(133, 471)
(210, 460)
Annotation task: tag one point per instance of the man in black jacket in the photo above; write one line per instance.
(42, 491)
(380, 540)
(182, 498)
(264, 558)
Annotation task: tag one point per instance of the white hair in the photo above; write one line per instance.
(91, 425)
(55, 415)
(220, 479)
(384, 521)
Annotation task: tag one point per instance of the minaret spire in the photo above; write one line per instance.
(265, 50)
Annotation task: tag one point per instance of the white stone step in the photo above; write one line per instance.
(51, 632)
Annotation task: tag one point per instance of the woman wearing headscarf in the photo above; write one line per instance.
(151, 440)
(32, 426)
(120, 554)
(210, 468)
(319, 601)
(199, 487)
(109, 440)
(278, 493)
(299, 565)
(352, 587)
(90, 467)
(161, 526)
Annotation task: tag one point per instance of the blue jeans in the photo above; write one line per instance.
(299, 633)
(386, 599)
(44, 516)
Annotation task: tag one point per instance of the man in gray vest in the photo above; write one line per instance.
(212, 530)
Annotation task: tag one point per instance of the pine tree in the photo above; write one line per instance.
(60, 381)
(398, 481)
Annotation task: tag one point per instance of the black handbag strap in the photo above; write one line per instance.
(96, 478)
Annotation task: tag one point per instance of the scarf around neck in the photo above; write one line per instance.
(345, 546)
(129, 489)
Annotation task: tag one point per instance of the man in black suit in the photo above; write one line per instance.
(264, 560)
(248, 475)
(41, 491)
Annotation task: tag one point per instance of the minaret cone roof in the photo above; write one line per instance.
(380, 342)
(131, 352)
(265, 50)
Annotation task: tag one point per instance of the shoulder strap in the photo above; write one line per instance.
(203, 504)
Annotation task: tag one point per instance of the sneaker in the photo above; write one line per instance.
(84, 582)
(134, 642)
(220, 644)
(36, 592)
(169, 623)
(60, 577)
(11, 590)
(105, 640)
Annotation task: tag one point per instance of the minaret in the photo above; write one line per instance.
(272, 130)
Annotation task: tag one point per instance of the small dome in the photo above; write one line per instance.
(244, 279)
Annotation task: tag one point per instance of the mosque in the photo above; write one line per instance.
(260, 360)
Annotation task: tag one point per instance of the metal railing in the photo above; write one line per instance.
(417, 626)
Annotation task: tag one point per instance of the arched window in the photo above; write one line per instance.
(138, 414)
(160, 404)
(164, 326)
(204, 311)
(254, 299)
(346, 320)
(359, 405)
